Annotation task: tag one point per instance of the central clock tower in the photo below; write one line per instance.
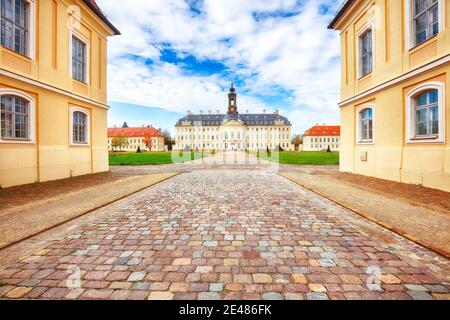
(232, 101)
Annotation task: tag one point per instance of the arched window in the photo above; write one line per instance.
(17, 117)
(366, 125)
(426, 110)
(14, 117)
(79, 126)
(425, 114)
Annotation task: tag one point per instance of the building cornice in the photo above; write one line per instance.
(52, 88)
(389, 83)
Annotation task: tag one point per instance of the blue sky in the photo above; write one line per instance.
(176, 56)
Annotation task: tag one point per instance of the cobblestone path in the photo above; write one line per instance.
(222, 234)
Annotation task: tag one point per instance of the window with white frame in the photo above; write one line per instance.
(425, 19)
(79, 59)
(15, 25)
(79, 126)
(366, 52)
(425, 114)
(15, 118)
(365, 125)
(426, 109)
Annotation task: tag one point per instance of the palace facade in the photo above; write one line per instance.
(233, 130)
(53, 90)
(146, 138)
(395, 96)
(320, 138)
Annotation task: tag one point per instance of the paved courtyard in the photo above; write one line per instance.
(222, 234)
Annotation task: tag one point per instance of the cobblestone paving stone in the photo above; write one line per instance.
(225, 234)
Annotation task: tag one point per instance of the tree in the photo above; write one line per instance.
(138, 150)
(278, 148)
(297, 142)
(119, 142)
(148, 142)
(168, 139)
(329, 149)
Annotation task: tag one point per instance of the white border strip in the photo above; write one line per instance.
(396, 80)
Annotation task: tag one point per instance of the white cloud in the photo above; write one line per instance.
(165, 85)
(296, 53)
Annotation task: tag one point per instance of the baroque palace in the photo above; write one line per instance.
(52, 90)
(233, 130)
(395, 106)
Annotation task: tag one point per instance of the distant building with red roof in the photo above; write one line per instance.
(136, 137)
(320, 138)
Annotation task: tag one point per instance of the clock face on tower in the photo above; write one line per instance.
(232, 109)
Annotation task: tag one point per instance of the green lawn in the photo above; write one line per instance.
(313, 158)
(148, 158)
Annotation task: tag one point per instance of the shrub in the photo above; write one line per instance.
(138, 150)
(279, 148)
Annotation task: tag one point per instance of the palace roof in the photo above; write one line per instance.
(134, 132)
(344, 7)
(94, 7)
(247, 119)
(319, 131)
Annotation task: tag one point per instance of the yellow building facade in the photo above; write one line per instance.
(53, 59)
(395, 114)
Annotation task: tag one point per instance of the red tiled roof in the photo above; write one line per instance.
(318, 131)
(134, 132)
(94, 7)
